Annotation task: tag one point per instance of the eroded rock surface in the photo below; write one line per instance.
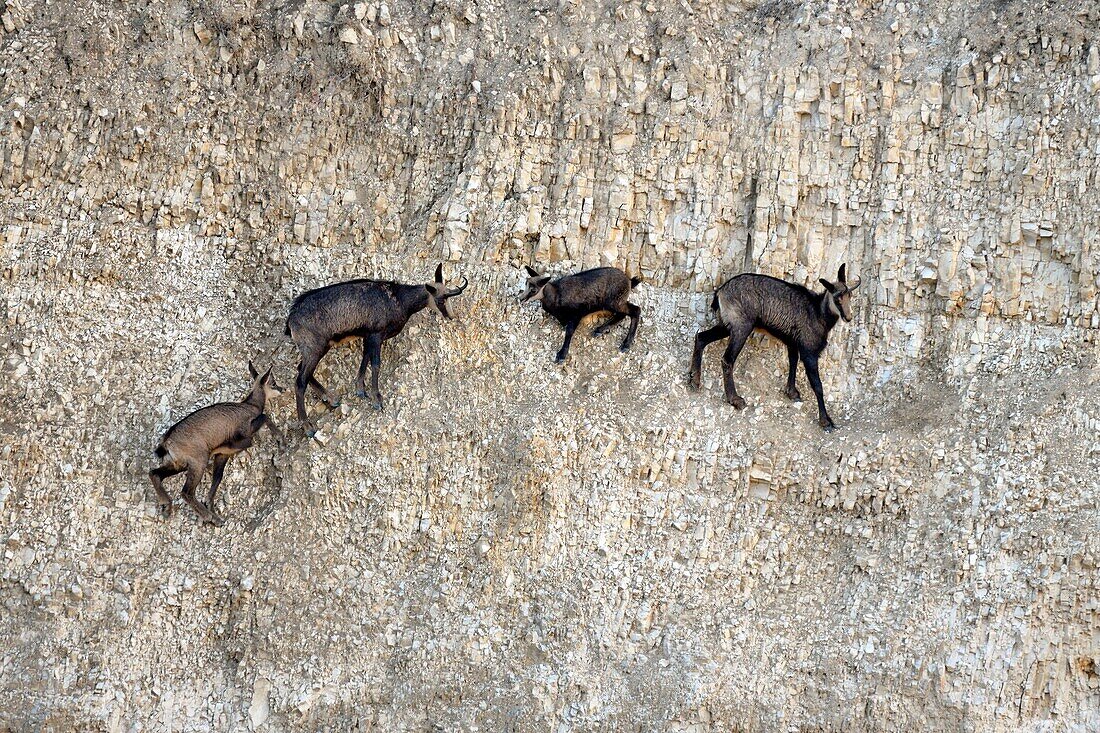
(514, 545)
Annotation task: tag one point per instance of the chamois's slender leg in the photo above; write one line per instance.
(310, 359)
(157, 475)
(239, 443)
(609, 323)
(264, 420)
(194, 475)
(703, 339)
(372, 356)
(738, 335)
(215, 481)
(570, 327)
(792, 361)
(809, 361)
(360, 377)
(375, 366)
(300, 384)
(326, 396)
(635, 314)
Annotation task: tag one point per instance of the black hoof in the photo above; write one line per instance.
(165, 510)
(361, 394)
(828, 427)
(794, 396)
(559, 359)
(311, 432)
(625, 347)
(737, 402)
(695, 382)
(378, 406)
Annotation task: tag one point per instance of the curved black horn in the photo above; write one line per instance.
(439, 273)
(458, 291)
(841, 276)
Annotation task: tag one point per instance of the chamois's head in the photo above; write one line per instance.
(438, 293)
(838, 295)
(535, 284)
(264, 383)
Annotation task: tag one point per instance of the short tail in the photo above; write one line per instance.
(635, 282)
(161, 451)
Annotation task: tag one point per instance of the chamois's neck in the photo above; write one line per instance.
(256, 398)
(413, 298)
(828, 315)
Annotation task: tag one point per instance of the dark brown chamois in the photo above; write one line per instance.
(571, 298)
(374, 310)
(222, 431)
(797, 316)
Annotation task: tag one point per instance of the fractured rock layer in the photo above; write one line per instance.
(512, 544)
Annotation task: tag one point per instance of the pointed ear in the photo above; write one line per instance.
(829, 287)
(531, 271)
(267, 376)
(840, 274)
(439, 273)
(252, 370)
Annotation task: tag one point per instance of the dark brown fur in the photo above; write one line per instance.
(797, 316)
(222, 431)
(374, 310)
(571, 298)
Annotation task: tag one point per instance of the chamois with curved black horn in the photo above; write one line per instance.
(797, 316)
(373, 310)
(222, 431)
(571, 298)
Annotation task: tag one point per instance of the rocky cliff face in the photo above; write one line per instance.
(514, 545)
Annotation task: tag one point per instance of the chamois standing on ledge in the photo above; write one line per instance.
(797, 316)
(571, 298)
(374, 310)
(222, 431)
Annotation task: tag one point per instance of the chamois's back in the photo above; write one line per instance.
(220, 431)
(572, 297)
(787, 310)
(356, 305)
(205, 429)
(374, 310)
(596, 289)
(797, 316)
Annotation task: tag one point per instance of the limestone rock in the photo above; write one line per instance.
(514, 544)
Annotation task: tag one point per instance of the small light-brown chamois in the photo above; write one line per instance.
(374, 310)
(797, 316)
(571, 298)
(222, 431)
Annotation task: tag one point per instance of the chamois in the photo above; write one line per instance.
(222, 431)
(571, 298)
(374, 310)
(797, 316)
